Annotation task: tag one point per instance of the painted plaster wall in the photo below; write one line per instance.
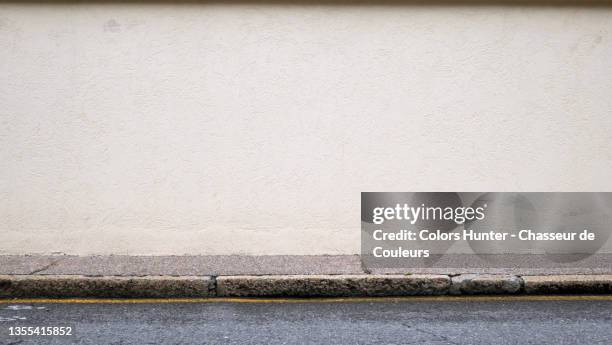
(226, 129)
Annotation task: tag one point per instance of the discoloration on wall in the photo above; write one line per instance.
(112, 26)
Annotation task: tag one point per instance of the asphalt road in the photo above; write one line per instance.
(365, 322)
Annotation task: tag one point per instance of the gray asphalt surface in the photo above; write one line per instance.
(450, 322)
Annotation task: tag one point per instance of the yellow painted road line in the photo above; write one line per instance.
(313, 300)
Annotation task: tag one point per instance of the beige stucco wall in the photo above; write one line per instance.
(224, 129)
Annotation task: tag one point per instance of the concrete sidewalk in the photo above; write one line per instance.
(271, 276)
(216, 265)
(125, 265)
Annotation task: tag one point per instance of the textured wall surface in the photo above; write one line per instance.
(225, 129)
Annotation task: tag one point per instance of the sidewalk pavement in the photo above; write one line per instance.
(65, 276)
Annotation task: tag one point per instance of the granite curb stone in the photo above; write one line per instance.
(332, 285)
(67, 286)
(485, 284)
(64, 286)
(568, 284)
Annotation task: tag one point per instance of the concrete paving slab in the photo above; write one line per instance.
(511, 264)
(26, 264)
(124, 265)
